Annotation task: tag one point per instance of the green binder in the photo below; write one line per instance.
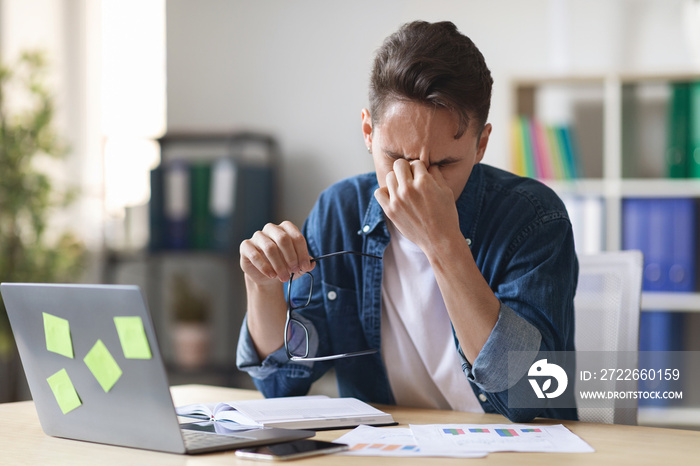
(677, 140)
(200, 178)
(694, 131)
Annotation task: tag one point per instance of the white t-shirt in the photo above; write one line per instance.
(417, 343)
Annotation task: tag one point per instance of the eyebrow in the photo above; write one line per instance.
(397, 155)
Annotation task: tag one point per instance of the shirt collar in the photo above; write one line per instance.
(374, 215)
(470, 202)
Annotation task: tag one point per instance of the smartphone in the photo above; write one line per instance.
(291, 450)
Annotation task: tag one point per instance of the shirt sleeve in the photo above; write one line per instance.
(511, 334)
(275, 375)
(247, 358)
(536, 287)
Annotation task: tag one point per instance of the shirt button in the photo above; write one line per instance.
(332, 295)
(365, 228)
(469, 242)
(482, 397)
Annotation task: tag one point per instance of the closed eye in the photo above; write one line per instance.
(446, 162)
(395, 155)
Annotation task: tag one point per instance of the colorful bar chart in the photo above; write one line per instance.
(500, 432)
(453, 431)
(450, 431)
(384, 447)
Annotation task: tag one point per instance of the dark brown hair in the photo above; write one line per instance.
(433, 64)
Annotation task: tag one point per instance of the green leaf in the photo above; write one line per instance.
(27, 196)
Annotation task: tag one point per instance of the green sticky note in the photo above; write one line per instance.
(64, 391)
(132, 336)
(103, 366)
(57, 331)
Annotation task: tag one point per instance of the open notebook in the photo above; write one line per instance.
(294, 412)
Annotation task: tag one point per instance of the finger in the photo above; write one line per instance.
(285, 243)
(392, 185)
(268, 246)
(254, 263)
(403, 171)
(300, 247)
(382, 196)
(418, 168)
(434, 170)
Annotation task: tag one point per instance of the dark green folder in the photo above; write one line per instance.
(155, 211)
(694, 131)
(677, 139)
(200, 179)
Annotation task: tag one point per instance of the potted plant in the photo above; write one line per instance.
(191, 330)
(28, 197)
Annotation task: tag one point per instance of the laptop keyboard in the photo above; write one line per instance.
(196, 440)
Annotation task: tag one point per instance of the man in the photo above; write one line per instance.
(476, 263)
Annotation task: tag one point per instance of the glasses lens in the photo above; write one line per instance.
(301, 288)
(297, 339)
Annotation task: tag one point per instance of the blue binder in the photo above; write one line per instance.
(664, 230)
(682, 267)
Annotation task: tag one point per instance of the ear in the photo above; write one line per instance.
(367, 128)
(483, 142)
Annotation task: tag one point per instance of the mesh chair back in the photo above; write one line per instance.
(607, 307)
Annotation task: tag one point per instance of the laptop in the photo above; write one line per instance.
(95, 372)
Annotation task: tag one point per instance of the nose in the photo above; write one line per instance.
(424, 157)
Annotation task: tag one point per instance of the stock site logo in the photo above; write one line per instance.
(541, 369)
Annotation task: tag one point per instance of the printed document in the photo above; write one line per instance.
(385, 441)
(460, 438)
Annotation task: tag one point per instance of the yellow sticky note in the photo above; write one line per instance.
(132, 336)
(57, 331)
(64, 391)
(103, 366)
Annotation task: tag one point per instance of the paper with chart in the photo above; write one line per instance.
(454, 439)
(387, 441)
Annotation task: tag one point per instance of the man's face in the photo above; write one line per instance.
(414, 131)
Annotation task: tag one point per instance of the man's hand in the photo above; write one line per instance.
(419, 202)
(273, 254)
(268, 259)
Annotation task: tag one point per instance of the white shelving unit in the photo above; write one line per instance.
(609, 182)
(610, 172)
(671, 302)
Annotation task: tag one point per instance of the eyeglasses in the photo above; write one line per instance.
(293, 328)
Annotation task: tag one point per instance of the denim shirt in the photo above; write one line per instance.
(522, 241)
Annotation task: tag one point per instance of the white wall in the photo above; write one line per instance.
(299, 69)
